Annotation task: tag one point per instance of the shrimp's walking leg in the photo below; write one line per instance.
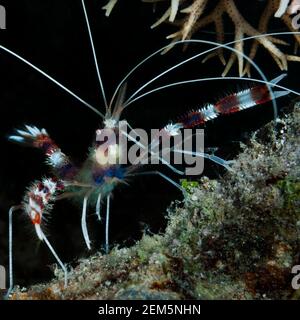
(161, 175)
(98, 207)
(83, 221)
(225, 163)
(107, 224)
(56, 257)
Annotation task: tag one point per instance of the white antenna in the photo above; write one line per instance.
(94, 54)
(51, 79)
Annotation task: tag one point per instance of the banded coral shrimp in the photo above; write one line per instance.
(48, 184)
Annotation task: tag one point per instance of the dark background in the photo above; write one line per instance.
(52, 34)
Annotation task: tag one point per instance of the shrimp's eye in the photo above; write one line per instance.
(46, 190)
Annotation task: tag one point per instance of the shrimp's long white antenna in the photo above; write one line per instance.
(216, 45)
(185, 41)
(52, 79)
(56, 257)
(94, 54)
(83, 221)
(271, 83)
(10, 248)
(107, 224)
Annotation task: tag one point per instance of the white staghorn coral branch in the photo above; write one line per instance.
(174, 10)
(282, 8)
(163, 18)
(195, 11)
(170, 13)
(109, 7)
(196, 16)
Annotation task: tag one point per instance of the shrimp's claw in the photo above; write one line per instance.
(31, 136)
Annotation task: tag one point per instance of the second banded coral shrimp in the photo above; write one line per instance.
(94, 181)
